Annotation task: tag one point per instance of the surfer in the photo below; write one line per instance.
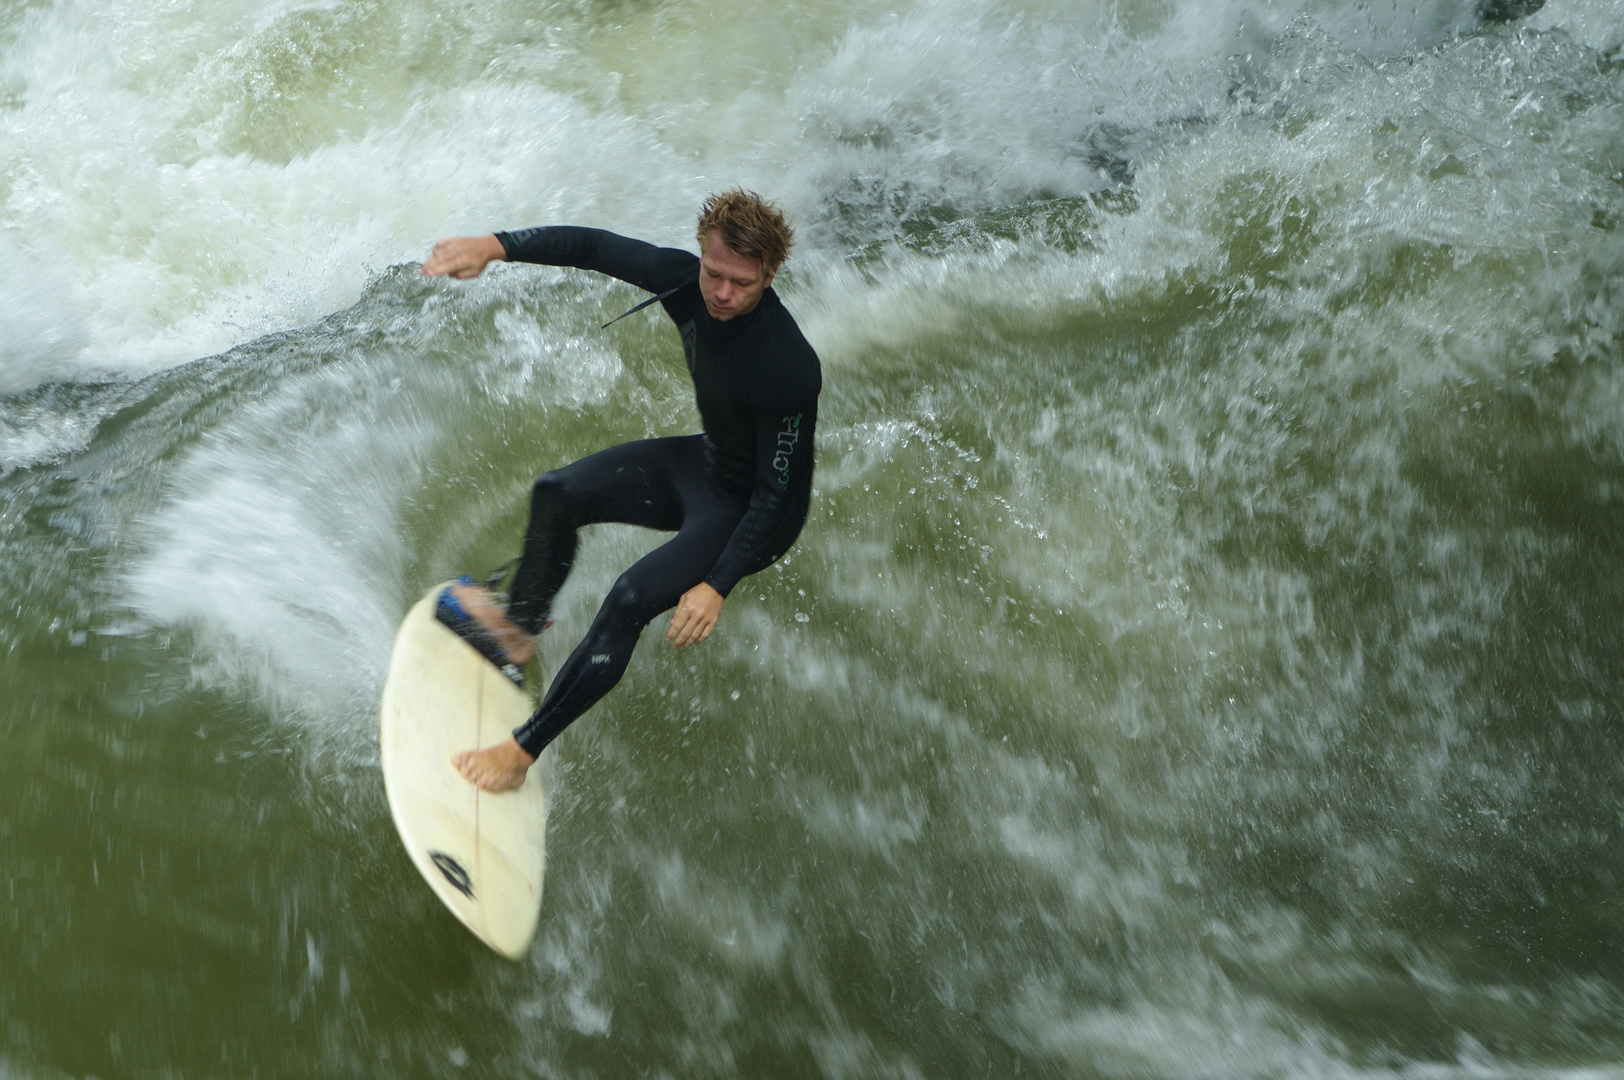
(736, 495)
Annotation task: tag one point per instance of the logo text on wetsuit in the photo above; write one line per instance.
(787, 439)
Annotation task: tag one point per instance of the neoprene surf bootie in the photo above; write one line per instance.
(450, 612)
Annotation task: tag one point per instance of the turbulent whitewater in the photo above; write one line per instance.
(1205, 656)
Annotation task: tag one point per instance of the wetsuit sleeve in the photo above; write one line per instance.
(784, 436)
(655, 269)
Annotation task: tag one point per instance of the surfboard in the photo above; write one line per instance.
(483, 853)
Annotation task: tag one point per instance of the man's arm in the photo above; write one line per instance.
(784, 436)
(655, 269)
(786, 419)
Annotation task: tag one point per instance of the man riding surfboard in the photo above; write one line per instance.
(735, 495)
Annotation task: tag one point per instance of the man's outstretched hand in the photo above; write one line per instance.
(695, 616)
(462, 257)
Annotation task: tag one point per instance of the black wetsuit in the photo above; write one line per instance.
(736, 496)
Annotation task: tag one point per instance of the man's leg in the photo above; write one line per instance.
(654, 584)
(631, 483)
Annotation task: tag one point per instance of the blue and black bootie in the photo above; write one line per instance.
(456, 618)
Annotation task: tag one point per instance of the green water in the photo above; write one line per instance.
(1204, 658)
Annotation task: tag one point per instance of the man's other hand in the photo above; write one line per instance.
(462, 257)
(695, 616)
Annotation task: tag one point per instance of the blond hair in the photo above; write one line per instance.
(750, 226)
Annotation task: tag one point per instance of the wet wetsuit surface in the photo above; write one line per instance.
(736, 496)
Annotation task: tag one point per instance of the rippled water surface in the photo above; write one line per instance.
(1205, 657)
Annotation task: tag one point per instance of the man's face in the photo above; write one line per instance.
(731, 283)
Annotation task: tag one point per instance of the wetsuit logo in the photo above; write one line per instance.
(787, 440)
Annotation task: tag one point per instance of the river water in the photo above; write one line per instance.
(1204, 658)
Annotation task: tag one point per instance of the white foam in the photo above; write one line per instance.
(279, 548)
(1597, 23)
(42, 329)
(188, 179)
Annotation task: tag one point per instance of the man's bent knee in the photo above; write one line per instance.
(549, 488)
(553, 501)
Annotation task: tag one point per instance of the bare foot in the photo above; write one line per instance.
(496, 768)
(478, 602)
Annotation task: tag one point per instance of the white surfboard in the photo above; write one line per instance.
(481, 852)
